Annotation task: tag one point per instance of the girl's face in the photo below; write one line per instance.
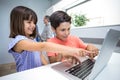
(29, 27)
(62, 31)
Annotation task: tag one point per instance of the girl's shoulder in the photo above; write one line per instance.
(20, 37)
(15, 40)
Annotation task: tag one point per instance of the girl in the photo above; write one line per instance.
(24, 48)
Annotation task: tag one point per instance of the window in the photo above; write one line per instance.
(99, 12)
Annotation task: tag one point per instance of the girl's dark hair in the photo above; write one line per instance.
(59, 17)
(17, 17)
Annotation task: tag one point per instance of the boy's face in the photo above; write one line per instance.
(63, 30)
(29, 27)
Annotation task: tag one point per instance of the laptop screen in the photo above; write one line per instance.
(110, 42)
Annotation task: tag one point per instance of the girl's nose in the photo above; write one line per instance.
(33, 24)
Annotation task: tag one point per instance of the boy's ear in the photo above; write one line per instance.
(52, 29)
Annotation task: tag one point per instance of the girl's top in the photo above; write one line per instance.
(26, 59)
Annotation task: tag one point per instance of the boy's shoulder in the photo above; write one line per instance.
(73, 37)
(51, 39)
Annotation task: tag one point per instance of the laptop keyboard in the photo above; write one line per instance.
(82, 70)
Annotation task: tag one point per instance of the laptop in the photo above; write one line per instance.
(91, 68)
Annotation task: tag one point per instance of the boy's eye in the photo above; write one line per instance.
(63, 30)
(68, 28)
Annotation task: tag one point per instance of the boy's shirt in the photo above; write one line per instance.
(71, 41)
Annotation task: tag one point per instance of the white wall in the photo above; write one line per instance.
(39, 6)
(59, 6)
(93, 32)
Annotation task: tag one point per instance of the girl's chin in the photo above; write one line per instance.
(30, 32)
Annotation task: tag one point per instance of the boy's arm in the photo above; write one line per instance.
(52, 59)
(43, 59)
(55, 58)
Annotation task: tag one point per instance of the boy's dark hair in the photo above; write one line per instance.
(59, 17)
(17, 17)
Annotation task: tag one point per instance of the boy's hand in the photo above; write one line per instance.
(93, 49)
(75, 58)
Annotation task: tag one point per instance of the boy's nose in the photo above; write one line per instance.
(67, 32)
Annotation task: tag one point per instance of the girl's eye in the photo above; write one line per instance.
(29, 22)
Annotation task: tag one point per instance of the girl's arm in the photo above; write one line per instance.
(30, 45)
